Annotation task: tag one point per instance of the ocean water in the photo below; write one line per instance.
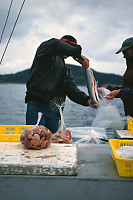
(13, 108)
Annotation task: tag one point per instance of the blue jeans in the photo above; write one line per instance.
(49, 119)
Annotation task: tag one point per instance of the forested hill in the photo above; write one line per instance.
(78, 73)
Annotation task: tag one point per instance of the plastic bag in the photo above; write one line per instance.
(125, 152)
(87, 135)
(107, 115)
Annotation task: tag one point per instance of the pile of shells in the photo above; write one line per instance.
(62, 137)
(36, 137)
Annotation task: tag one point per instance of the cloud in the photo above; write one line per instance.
(99, 26)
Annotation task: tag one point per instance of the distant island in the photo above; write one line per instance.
(103, 79)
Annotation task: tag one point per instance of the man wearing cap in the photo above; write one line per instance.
(126, 91)
(50, 81)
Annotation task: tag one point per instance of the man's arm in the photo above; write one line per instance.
(55, 46)
(123, 93)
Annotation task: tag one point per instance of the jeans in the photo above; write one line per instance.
(49, 119)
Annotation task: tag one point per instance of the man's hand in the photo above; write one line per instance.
(112, 94)
(90, 104)
(85, 63)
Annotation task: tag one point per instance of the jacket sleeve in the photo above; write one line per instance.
(126, 93)
(74, 93)
(55, 46)
(111, 88)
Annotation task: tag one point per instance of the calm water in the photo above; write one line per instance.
(13, 108)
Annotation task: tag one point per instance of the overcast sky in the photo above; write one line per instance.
(100, 27)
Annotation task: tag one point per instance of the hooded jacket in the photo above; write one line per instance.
(50, 78)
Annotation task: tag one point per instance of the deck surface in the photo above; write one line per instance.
(97, 179)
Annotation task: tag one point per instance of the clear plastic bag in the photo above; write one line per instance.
(85, 135)
(107, 115)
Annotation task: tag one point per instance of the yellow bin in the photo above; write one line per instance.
(130, 124)
(12, 133)
(124, 166)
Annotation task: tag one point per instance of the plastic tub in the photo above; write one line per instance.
(130, 125)
(124, 166)
(11, 133)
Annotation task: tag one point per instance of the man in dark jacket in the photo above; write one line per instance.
(126, 91)
(50, 80)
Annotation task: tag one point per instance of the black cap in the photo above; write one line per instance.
(126, 44)
(69, 39)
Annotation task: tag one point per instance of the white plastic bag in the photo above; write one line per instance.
(125, 152)
(107, 115)
(87, 135)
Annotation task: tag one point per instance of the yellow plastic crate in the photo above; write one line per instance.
(11, 133)
(124, 166)
(130, 124)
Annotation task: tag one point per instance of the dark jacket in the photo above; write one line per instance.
(50, 78)
(126, 91)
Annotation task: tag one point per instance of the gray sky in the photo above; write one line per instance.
(100, 27)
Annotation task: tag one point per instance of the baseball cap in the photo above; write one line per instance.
(126, 44)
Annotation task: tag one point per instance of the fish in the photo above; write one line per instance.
(92, 87)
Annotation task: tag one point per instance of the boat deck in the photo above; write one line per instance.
(97, 179)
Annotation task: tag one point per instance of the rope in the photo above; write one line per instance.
(6, 20)
(12, 32)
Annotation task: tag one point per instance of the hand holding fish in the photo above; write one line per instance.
(85, 63)
(90, 104)
(112, 94)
